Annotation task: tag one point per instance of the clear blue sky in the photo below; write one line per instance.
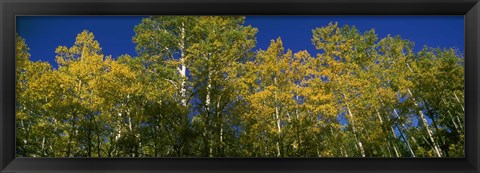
(44, 34)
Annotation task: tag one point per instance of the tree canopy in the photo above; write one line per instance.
(199, 88)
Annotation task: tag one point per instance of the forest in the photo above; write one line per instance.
(198, 87)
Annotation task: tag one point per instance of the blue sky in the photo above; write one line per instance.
(44, 34)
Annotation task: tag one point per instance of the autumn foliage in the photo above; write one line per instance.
(199, 89)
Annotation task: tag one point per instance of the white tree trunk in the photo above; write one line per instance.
(403, 135)
(183, 68)
(425, 123)
(209, 87)
(459, 122)
(454, 122)
(207, 106)
(393, 132)
(458, 100)
(119, 125)
(43, 146)
(352, 121)
(277, 117)
(219, 116)
(395, 137)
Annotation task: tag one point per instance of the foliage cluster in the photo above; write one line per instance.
(199, 89)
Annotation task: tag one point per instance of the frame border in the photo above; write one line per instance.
(9, 9)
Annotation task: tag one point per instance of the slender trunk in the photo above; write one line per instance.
(395, 149)
(463, 109)
(52, 143)
(454, 123)
(459, 122)
(155, 147)
(334, 137)
(130, 128)
(343, 152)
(220, 126)
(207, 99)
(426, 141)
(403, 135)
(393, 144)
(297, 131)
(379, 117)
(139, 148)
(440, 140)
(118, 132)
(458, 100)
(352, 121)
(277, 117)
(391, 128)
(415, 142)
(425, 123)
(207, 106)
(406, 142)
(209, 85)
(130, 123)
(388, 147)
(279, 130)
(386, 133)
(119, 127)
(318, 152)
(393, 134)
(26, 131)
(183, 68)
(43, 146)
(22, 125)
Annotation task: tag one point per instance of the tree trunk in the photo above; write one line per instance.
(440, 140)
(207, 107)
(297, 131)
(460, 123)
(220, 125)
(183, 68)
(359, 143)
(403, 135)
(425, 123)
(393, 144)
(386, 133)
(43, 146)
(458, 100)
(277, 117)
(391, 128)
(463, 108)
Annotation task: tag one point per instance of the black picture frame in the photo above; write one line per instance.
(11, 8)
